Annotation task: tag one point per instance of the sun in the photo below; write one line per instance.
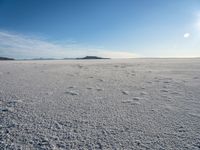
(186, 35)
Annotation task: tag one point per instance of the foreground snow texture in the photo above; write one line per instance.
(100, 104)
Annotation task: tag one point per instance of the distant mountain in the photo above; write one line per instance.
(6, 58)
(43, 58)
(92, 57)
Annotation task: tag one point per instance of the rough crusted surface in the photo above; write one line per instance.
(100, 104)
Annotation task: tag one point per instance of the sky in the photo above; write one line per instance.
(106, 28)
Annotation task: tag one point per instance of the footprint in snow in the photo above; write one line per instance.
(165, 87)
(127, 101)
(136, 98)
(125, 92)
(194, 115)
(49, 93)
(116, 66)
(134, 101)
(13, 102)
(72, 93)
(101, 80)
(163, 90)
(6, 109)
(166, 82)
(143, 93)
(71, 87)
(99, 89)
(175, 93)
(149, 82)
(181, 129)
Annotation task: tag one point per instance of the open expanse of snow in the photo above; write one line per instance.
(100, 104)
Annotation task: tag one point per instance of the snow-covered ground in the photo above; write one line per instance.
(100, 104)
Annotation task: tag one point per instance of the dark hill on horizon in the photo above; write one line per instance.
(6, 58)
(92, 57)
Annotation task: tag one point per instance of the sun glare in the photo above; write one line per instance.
(186, 35)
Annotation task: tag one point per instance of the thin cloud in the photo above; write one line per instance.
(21, 46)
(111, 54)
(24, 46)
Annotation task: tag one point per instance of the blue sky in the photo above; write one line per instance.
(108, 28)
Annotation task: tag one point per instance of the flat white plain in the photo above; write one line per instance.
(100, 104)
